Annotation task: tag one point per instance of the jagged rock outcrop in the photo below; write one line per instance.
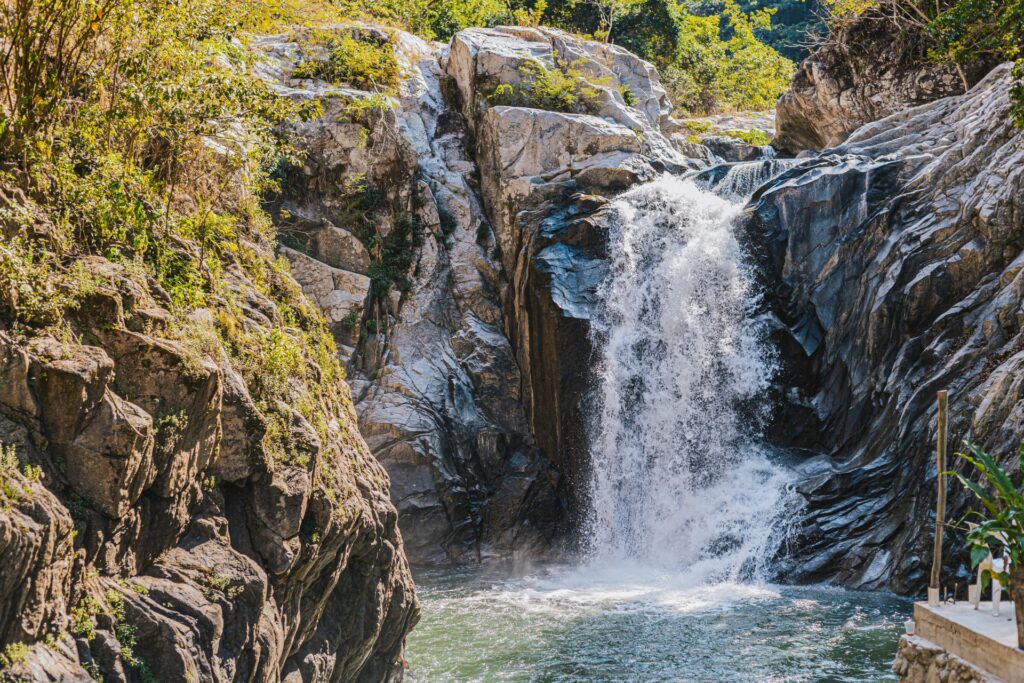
(159, 522)
(468, 381)
(896, 264)
(871, 67)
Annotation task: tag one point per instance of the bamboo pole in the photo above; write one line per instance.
(940, 503)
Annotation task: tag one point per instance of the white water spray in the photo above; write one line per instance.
(741, 179)
(680, 480)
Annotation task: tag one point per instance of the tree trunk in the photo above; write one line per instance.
(1017, 595)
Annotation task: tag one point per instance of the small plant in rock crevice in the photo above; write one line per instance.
(757, 138)
(15, 653)
(393, 255)
(564, 88)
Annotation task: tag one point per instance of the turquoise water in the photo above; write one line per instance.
(627, 624)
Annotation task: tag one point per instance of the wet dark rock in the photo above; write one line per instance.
(729, 148)
(896, 263)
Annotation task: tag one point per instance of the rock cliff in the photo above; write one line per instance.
(165, 512)
(468, 379)
(895, 264)
(147, 525)
(455, 237)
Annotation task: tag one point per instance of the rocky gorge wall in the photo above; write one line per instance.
(149, 528)
(894, 265)
(469, 381)
(889, 263)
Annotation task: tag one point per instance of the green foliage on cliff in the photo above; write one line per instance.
(955, 31)
(971, 28)
(564, 88)
(356, 59)
(143, 138)
(15, 653)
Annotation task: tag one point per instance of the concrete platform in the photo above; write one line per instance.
(987, 642)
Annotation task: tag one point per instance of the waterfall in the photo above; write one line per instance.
(680, 480)
(737, 181)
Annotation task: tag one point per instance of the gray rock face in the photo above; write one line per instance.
(869, 69)
(468, 381)
(896, 263)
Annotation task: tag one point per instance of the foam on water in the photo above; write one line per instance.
(631, 622)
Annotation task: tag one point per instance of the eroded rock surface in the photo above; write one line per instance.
(468, 380)
(896, 263)
(150, 526)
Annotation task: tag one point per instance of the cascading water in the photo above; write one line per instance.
(679, 479)
(736, 182)
(686, 503)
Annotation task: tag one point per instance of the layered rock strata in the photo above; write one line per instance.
(895, 265)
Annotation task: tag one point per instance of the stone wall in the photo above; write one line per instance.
(921, 661)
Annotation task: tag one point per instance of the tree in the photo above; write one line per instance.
(610, 11)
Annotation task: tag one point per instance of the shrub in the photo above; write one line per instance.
(82, 623)
(1000, 528)
(8, 459)
(711, 73)
(34, 289)
(355, 59)
(628, 96)
(431, 18)
(393, 255)
(755, 137)
(563, 88)
(954, 31)
(15, 653)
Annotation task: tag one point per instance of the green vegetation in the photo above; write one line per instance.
(83, 624)
(709, 73)
(755, 137)
(957, 31)
(564, 88)
(796, 25)
(357, 59)
(8, 458)
(127, 637)
(143, 138)
(15, 653)
(430, 18)
(710, 52)
(1001, 525)
(393, 255)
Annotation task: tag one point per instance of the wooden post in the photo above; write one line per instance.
(940, 504)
